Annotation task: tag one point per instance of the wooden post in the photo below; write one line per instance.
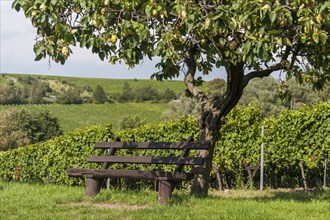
(262, 159)
(218, 178)
(164, 191)
(301, 164)
(93, 186)
(325, 180)
(252, 172)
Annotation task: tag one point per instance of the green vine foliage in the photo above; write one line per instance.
(294, 136)
(48, 161)
(302, 135)
(240, 138)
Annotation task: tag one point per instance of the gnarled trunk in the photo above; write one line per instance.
(201, 181)
(212, 118)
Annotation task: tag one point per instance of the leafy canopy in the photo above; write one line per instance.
(292, 36)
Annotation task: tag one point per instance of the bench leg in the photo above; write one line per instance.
(93, 186)
(164, 191)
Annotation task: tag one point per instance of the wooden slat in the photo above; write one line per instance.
(153, 145)
(147, 160)
(133, 174)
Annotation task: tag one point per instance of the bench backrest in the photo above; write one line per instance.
(154, 145)
(181, 160)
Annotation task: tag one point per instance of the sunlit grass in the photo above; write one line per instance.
(34, 201)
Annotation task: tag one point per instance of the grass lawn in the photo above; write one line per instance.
(34, 201)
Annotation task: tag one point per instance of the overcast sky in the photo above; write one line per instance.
(17, 56)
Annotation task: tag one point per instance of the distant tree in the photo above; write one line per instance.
(88, 88)
(182, 106)
(126, 95)
(325, 93)
(21, 127)
(131, 122)
(276, 95)
(28, 80)
(264, 92)
(303, 94)
(70, 96)
(99, 95)
(215, 87)
(10, 93)
(168, 95)
(146, 93)
(47, 126)
(10, 136)
(36, 91)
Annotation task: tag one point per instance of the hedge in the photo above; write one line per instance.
(294, 136)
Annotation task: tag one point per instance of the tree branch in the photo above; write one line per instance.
(190, 76)
(263, 73)
(235, 87)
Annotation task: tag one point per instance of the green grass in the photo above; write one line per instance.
(72, 117)
(116, 85)
(33, 201)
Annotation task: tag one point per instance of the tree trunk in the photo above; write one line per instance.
(302, 169)
(325, 182)
(218, 178)
(213, 112)
(201, 181)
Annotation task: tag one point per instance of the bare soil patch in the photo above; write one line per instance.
(118, 206)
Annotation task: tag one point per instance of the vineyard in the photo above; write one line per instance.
(294, 141)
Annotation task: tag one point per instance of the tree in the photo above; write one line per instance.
(127, 94)
(70, 96)
(10, 136)
(99, 95)
(215, 87)
(21, 127)
(146, 93)
(168, 95)
(264, 92)
(37, 126)
(247, 38)
(182, 106)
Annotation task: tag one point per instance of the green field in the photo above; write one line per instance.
(76, 116)
(115, 85)
(31, 201)
(72, 117)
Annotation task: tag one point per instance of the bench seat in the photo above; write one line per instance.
(130, 174)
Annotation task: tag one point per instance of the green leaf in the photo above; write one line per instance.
(286, 41)
(272, 16)
(316, 37)
(102, 55)
(323, 38)
(148, 10)
(303, 38)
(17, 6)
(38, 57)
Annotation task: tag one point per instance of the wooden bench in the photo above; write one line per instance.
(166, 179)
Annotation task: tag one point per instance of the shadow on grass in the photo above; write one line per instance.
(274, 195)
